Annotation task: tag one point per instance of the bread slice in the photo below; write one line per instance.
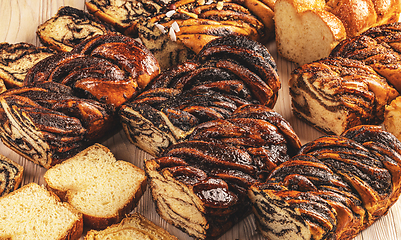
(134, 226)
(10, 175)
(32, 212)
(305, 32)
(97, 185)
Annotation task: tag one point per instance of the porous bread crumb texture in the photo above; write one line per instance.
(134, 226)
(97, 184)
(31, 212)
(301, 37)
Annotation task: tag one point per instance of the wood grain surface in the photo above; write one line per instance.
(19, 21)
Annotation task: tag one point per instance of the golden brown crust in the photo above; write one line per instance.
(356, 15)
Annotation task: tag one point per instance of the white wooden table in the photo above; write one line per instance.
(18, 22)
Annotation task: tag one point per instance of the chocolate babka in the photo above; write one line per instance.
(333, 189)
(200, 185)
(378, 47)
(69, 27)
(16, 59)
(229, 72)
(10, 175)
(167, 27)
(72, 98)
(335, 94)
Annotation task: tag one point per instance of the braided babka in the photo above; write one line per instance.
(72, 98)
(200, 185)
(229, 72)
(69, 27)
(168, 27)
(16, 60)
(378, 47)
(333, 189)
(335, 94)
(10, 175)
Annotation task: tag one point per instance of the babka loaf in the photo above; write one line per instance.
(71, 98)
(200, 185)
(197, 23)
(10, 175)
(134, 226)
(124, 14)
(16, 59)
(227, 73)
(333, 189)
(168, 53)
(299, 23)
(378, 47)
(166, 27)
(98, 185)
(335, 94)
(69, 27)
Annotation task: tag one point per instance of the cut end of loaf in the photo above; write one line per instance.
(303, 37)
(176, 203)
(276, 220)
(98, 185)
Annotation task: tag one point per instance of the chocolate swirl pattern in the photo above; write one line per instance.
(16, 60)
(379, 47)
(71, 98)
(334, 188)
(10, 175)
(199, 23)
(69, 27)
(200, 185)
(335, 94)
(228, 73)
